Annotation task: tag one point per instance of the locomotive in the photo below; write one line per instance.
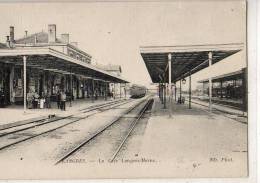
(137, 91)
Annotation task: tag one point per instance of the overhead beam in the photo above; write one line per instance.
(54, 56)
(192, 48)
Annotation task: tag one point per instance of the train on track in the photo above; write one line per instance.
(137, 91)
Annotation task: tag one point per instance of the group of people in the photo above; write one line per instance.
(61, 100)
(33, 100)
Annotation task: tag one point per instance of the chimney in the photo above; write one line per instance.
(8, 42)
(74, 44)
(51, 33)
(26, 33)
(65, 38)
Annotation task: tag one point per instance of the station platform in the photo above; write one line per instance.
(194, 142)
(15, 113)
(220, 107)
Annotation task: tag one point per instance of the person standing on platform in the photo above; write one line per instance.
(96, 94)
(63, 101)
(35, 100)
(30, 99)
(112, 94)
(58, 99)
(48, 100)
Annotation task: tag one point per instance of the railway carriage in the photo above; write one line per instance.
(137, 91)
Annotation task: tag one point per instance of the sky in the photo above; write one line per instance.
(112, 32)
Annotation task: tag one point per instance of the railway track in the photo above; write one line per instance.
(132, 123)
(83, 110)
(220, 112)
(35, 123)
(20, 133)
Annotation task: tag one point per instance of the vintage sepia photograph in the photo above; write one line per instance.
(151, 89)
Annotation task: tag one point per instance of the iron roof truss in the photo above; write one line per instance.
(56, 63)
(185, 59)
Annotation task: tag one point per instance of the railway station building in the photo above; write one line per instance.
(46, 64)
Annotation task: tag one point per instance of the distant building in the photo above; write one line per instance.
(114, 69)
(49, 39)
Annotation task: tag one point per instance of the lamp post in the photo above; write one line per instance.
(71, 90)
(210, 82)
(170, 82)
(190, 90)
(24, 83)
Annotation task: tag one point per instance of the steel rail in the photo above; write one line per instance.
(222, 111)
(53, 129)
(53, 120)
(98, 105)
(98, 132)
(46, 118)
(33, 126)
(131, 129)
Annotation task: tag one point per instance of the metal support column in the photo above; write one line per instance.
(210, 82)
(164, 96)
(245, 90)
(190, 90)
(159, 91)
(11, 84)
(120, 90)
(125, 90)
(24, 84)
(71, 89)
(221, 88)
(170, 83)
(161, 85)
(162, 93)
(114, 90)
(180, 91)
(105, 90)
(175, 93)
(93, 90)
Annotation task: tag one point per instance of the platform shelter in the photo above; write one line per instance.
(47, 63)
(170, 64)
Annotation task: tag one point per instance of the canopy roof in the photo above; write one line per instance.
(46, 58)
(185, 59)
(226, 77)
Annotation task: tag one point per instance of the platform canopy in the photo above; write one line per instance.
(185, 59)
(46, 58)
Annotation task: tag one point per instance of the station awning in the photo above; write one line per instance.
(187, 59)
(46, 58)
(226, 77)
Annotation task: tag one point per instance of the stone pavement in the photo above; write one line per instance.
(194, 143)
